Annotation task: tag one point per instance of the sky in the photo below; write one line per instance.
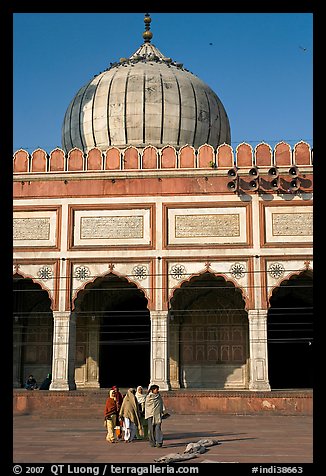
(260, 65)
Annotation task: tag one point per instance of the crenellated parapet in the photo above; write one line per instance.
(168, 157)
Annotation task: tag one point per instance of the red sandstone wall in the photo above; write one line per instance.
(91, 404)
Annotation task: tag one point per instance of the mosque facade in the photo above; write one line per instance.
(148, 250)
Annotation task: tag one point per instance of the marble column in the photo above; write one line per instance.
(258, 350)
(174, 350)
(17, 351)
(92, 359)
(159, 349)
(64, 345)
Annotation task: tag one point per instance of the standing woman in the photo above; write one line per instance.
(110, 415)
(141, 397)
(154, 409)
(130, 414)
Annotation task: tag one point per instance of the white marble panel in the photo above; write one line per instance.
(289, 224)
(207, 225)
(112, 227)
(34, 228)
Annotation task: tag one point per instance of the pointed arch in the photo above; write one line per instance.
(20, 275)
(168, 157)
(21, 161)
(224, 156)
(244, 155)
(39, 161)
(94, 159)
(112, 326)
(208, 270)
(86, 286)
(150, 157)
(208, 334)
(131, 158)
(206, 156)
(32, 330)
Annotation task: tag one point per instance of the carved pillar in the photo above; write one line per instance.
(159, 349)
(174, 350)
(92, 359)
(17, 351)
(258, 350)
(64, 344)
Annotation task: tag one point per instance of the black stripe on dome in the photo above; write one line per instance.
(162, 116)
(125, 108)
(210, 118)
(80, 113)
(144, 108)
(93, 102)
(180, 106)
(108, 108)
(70, 123)
(196, 111)
(219, 121)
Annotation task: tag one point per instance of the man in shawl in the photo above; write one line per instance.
(130, 414)
(154, 410)
(110, 415)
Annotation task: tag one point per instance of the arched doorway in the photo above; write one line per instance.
(113, 334)
(208, 335)
(32, 331)
(290, 333)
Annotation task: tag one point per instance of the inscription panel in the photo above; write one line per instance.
(289, 224)
(112, 227)
(34, 228)
(292, 224)
(31, 228)
(205, 226)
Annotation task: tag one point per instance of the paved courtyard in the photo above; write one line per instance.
(243, 439)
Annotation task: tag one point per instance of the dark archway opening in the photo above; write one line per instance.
(290, 334)
(125, 344)
(123, 333)
(32, 331)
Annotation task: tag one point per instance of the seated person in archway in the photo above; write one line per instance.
(31, 383)
(45, 385)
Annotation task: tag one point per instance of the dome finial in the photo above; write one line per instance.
(147, 35)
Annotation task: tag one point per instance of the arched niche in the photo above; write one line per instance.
(244, 155)
(112, 334)
(206, 156)
(94, 159)
(168, 157)
(112, 159)
(208, 334)
(32, 330)
(21, 161)
(150, 158)
(39, 161)
(224, 156)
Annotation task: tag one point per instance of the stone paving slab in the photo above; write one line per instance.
(243, 439)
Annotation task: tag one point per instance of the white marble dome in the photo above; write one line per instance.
(141, 100)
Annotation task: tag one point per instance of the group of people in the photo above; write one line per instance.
(31, 383)
(139, 414)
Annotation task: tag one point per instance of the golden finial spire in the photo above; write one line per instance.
(147, 35)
